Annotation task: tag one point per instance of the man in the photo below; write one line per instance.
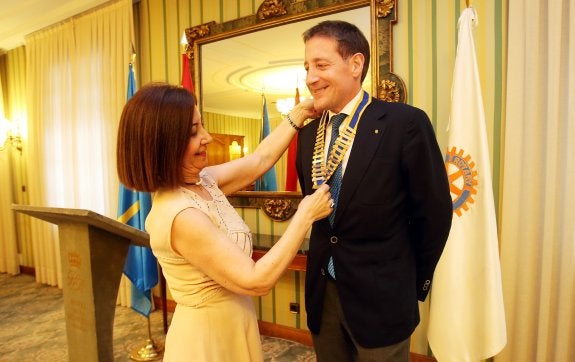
(392, 212)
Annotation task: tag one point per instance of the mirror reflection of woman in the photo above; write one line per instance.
(202, 244)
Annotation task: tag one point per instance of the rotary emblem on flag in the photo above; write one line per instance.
(462, 179)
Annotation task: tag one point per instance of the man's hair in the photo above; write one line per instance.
(349, 38)
(154, 132)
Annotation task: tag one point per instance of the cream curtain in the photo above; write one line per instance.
(537, 232)
(77, 79)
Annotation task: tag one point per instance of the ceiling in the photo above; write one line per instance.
(19, 18)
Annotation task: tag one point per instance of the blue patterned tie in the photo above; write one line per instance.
(335, 180)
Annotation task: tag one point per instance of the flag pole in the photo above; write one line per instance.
(137, 256)
(260, 181)
(149, 351)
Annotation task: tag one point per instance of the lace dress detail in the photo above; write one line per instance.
(188, 285)
(222, 214)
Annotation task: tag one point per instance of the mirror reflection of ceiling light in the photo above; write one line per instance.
(284, 105)
(281, 80)
(276, 79)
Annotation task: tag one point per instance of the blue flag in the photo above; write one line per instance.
(141, 266)
(268, 181)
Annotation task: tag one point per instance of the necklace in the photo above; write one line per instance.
(322, 170)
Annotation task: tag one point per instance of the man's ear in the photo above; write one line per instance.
(356, 62)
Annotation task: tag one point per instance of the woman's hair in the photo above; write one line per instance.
(350, 40)
(154, 132)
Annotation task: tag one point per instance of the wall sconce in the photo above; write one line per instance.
(10, 133)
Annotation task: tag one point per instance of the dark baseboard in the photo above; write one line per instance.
(28, 270)
(293, 334)
(414, 357)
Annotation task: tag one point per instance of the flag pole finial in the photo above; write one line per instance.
(133, 56)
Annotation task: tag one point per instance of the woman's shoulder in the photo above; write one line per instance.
(167, 203)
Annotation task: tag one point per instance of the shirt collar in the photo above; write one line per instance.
(348, 108)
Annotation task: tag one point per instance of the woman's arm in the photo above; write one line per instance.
(237, 174)
(203, 245)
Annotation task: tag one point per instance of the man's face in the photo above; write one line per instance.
(331, 80)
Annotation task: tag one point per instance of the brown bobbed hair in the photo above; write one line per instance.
(154, 132)
(350, 40)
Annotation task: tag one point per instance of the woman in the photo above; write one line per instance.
(202, 244)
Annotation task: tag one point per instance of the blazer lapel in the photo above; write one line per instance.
(369, 133)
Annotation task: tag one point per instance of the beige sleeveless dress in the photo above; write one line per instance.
(210, 323)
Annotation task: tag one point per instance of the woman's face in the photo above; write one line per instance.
(196, 155)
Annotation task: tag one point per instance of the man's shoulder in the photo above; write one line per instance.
(396, 108)
(399, 106)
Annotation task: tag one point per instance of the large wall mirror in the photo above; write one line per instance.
(236, 62)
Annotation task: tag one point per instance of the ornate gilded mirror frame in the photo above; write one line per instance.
(386, 85)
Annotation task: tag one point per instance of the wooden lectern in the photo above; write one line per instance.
(93, 249)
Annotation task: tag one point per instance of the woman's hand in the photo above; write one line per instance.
(302, 111)
(317, 205)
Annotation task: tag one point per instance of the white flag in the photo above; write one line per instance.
(467, 317)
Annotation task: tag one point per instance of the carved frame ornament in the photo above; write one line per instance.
(278, 206)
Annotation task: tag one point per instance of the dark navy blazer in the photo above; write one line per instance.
(392, 221)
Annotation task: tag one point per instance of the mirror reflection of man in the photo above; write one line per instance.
(372, 260)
